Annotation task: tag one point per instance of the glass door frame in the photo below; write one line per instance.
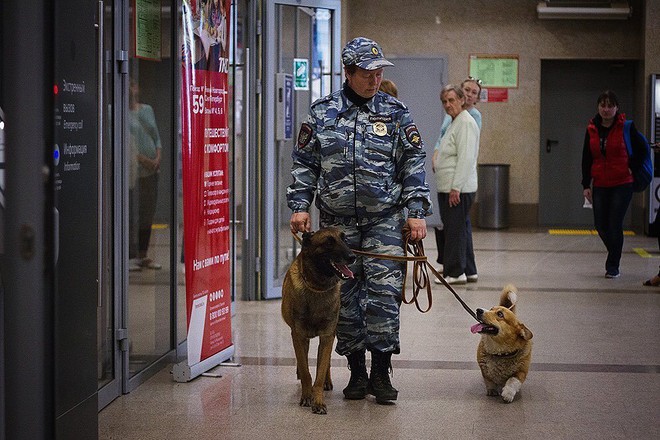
(270, 286)
(115, 29)
(116, 59)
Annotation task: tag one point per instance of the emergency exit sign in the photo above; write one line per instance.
(301, 74)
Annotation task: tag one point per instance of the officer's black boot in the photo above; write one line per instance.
(379, 381)
(357, 385)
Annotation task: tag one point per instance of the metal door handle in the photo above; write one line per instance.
(548, 144)
(246, 161)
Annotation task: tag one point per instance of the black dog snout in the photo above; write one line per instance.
(480, 313)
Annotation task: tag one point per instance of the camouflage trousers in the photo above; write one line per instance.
(370, 302)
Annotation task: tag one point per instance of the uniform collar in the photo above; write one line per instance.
(374, 104)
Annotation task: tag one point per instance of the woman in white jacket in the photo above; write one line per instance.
(455, 166)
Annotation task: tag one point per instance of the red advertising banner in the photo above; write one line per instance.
(205, 159)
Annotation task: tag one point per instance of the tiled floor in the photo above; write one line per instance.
(595, 371)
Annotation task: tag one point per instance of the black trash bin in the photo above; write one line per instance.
(493, 196)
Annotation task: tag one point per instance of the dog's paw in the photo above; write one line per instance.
(306, 401)
(510, 389)
(319, 408)
(492, 392)
(327, 386)
(508, 393)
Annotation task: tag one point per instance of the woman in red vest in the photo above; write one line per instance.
(606, 176)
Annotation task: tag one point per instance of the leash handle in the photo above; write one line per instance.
(417, 249)
(421, 279)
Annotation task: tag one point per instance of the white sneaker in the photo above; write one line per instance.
(461, 279)
(472, 278)
(134, 265)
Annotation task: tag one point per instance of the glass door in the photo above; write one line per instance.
(304, 38)
(135, 317)
(151, 148)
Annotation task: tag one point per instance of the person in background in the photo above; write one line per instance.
(472, 89)
(455, 167)
(144, 135)
(606, 176)
(389, 87)
(361, 157)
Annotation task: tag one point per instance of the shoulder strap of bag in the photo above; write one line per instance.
(626, 136)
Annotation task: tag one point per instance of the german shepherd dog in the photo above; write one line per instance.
(505, 350)
(310, 306)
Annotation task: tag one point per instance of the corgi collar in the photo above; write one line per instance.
(506, 355)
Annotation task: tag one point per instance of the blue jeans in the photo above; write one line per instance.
(610, 207)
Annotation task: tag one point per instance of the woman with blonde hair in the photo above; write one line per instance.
(389, 87)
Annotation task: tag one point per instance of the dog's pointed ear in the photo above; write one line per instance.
(306, 237)
(525, 333)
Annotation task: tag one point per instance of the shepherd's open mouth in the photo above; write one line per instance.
(342, 271)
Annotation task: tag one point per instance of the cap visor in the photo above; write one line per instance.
(374, 64)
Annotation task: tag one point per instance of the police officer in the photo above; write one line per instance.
(360, 154)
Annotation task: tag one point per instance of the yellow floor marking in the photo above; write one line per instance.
(642, 253)
(581, 232)
(159, 226)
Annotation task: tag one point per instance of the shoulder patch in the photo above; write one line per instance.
(304, 136)
(412, 134)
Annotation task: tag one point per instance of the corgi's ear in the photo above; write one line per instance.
(525, 333)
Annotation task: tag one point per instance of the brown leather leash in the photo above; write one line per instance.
(414, 251)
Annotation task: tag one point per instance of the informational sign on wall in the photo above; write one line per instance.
(496, 71)
(78, 276)
(494, 95)
(205, 156)
(147, 29)
(301, 73)
(284, 106)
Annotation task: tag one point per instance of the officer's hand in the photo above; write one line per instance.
(300, 222)
(417, 228)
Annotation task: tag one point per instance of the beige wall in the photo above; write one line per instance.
(458, 28)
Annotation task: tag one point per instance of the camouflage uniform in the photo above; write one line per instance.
(364, 165)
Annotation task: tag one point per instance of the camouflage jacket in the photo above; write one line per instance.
(361, 162)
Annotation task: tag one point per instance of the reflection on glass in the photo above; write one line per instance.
(151, 215)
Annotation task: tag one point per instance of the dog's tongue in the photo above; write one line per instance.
(476, 328)
(345, 270)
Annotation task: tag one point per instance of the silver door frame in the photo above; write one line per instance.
(269, 157)
(113, 60)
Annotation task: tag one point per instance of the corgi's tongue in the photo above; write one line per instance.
(476, 328)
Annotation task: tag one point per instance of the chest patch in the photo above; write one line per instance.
(380, 128)
(380, 118)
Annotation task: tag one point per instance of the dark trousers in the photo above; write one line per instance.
(148, 194)
(610, 207)
(458, 256)
(132, 224)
